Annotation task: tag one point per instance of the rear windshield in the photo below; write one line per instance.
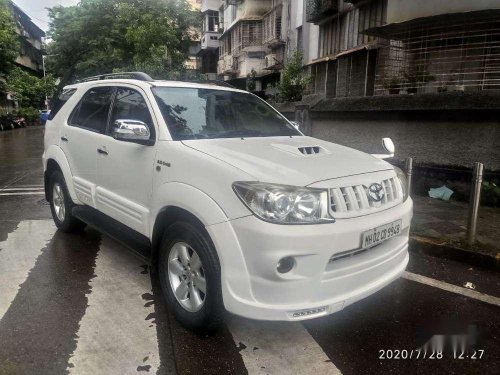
(59, 101)
(192, 113)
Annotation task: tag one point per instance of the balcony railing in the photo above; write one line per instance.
(319, 9)
(272, 27)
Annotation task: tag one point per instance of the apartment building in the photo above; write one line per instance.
(383, 47)
(192, 63)
(31, 39)
(210, 34)
(254, 38)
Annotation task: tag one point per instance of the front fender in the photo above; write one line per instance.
(55, 153)
(189, 198)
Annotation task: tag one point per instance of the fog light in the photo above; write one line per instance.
(285, 264)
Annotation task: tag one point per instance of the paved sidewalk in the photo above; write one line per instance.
(445, 223)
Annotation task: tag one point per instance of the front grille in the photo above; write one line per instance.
(351, 201)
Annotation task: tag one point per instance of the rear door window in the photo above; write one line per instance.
(93, 111)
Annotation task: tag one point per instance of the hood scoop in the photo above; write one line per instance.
(309, 150)
(300, 150)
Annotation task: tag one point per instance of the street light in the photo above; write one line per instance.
(45, 79)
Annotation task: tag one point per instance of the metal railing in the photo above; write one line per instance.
(457, 57)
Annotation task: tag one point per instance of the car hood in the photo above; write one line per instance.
(298, 161)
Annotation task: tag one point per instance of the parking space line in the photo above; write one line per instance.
(18, 255)
(452, 288)
(24, 193)
(23, 189)
(117, 334)
(279, 348)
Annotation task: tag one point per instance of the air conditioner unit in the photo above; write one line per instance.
(270, 60)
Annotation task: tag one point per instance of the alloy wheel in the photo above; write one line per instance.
(187, 277)
(58, 201)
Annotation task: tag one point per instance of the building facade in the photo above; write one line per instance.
(31, 39)
(242, 38)
(425, 73)
(193, 62)
(210, 34)
(383, 47)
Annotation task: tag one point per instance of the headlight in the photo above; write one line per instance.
(283, 204)
(403, 181)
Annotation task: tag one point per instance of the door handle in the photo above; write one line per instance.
(101, 151)
(63, 138)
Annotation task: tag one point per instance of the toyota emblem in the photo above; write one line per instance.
(376, 192)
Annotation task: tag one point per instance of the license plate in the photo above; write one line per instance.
(377, 235)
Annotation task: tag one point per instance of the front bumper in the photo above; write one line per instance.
(249, 250)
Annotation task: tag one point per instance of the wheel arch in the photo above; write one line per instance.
(51, 167)
(55, 159)
(166, 217)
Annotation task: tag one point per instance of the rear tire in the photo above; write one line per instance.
(190, 277)
(61, 204)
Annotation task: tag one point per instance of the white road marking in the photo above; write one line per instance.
(23, 189)
(114, 336)
(279, 348)
(24, 193)
(452, 288)
(18, 254)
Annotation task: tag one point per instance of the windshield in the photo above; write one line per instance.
(192, 113)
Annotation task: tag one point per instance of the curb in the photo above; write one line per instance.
(426, 246)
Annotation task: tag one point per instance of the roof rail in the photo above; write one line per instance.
(211, 82)
(125, 75)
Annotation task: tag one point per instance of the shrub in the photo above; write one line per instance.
(293, 81)
(490, 194)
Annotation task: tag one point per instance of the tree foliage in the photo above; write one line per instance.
(29, 90)
(294, 81)
(9, 42)
(104, 36)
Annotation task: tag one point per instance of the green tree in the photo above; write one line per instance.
(293, 80)
(9, 42)
(29, 90)
(104, 36)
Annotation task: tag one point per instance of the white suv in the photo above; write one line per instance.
(237, 208)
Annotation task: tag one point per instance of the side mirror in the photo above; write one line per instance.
(388, 145)
(134, 131)
(295, 124)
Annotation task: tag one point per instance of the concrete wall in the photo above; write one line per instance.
(310, 35)
(404, 10)
(442, 138)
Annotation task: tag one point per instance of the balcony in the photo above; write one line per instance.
(210, 40)
(272, 28)
(316, 10)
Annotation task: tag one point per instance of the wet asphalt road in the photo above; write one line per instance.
(83, 304)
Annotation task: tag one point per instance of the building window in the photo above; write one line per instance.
(458, 53)
(211, 21)
(246, 34)
(300, 46)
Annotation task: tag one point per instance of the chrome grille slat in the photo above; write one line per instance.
(394, 188)
(353, 200)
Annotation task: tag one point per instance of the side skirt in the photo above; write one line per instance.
(133, 240)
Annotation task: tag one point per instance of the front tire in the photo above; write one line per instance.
(61, 204)
(189, 272)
